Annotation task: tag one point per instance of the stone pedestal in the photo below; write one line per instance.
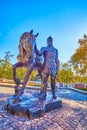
(31, 106)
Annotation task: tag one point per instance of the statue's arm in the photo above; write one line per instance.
(57, 63)
(57, 60)
(38, 52)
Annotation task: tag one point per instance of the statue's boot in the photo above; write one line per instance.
(42, 96)
(16, 89)
(18, 96)
(54, 95)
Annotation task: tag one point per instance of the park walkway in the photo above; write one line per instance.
(72, 116)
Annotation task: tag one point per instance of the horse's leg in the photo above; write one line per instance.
(17, 80)
(39, 67)
(14, 71)
(29, 71)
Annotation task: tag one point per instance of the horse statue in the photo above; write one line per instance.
(27, 58)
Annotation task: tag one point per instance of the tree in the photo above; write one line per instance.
(21, 72)
(6, 66)
(79, 58)
(77, 79)
(65, 73)
(8, 56)
(33, 75)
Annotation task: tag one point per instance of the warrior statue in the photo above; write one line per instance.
(50, 66)
(27, 58)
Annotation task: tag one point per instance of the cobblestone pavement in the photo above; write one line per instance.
(72, 116)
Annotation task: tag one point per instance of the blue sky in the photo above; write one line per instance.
(64, 20)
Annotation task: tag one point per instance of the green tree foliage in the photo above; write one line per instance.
(33, 75)
(6, 66)
(21, 72)
(5, 69)
(65, 73)
(85, 79)
(77, 79)
(79, 58)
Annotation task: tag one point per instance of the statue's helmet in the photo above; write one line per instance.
(49, 40)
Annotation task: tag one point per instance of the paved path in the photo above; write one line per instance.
(72, 116)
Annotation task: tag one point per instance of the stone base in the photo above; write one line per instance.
(31, 106)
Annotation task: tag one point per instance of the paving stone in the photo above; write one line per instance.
(27, 123)
(10, 128)
(66, 118)
(79, 128)
(20, 123)
(59, 128)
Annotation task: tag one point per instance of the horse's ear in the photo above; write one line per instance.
(36, 34)
(31, 31)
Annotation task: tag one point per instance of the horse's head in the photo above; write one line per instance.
(31, 38)
(27, 42)
(28, 37)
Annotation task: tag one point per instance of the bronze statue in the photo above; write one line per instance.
(27, 58)
(50, 66)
